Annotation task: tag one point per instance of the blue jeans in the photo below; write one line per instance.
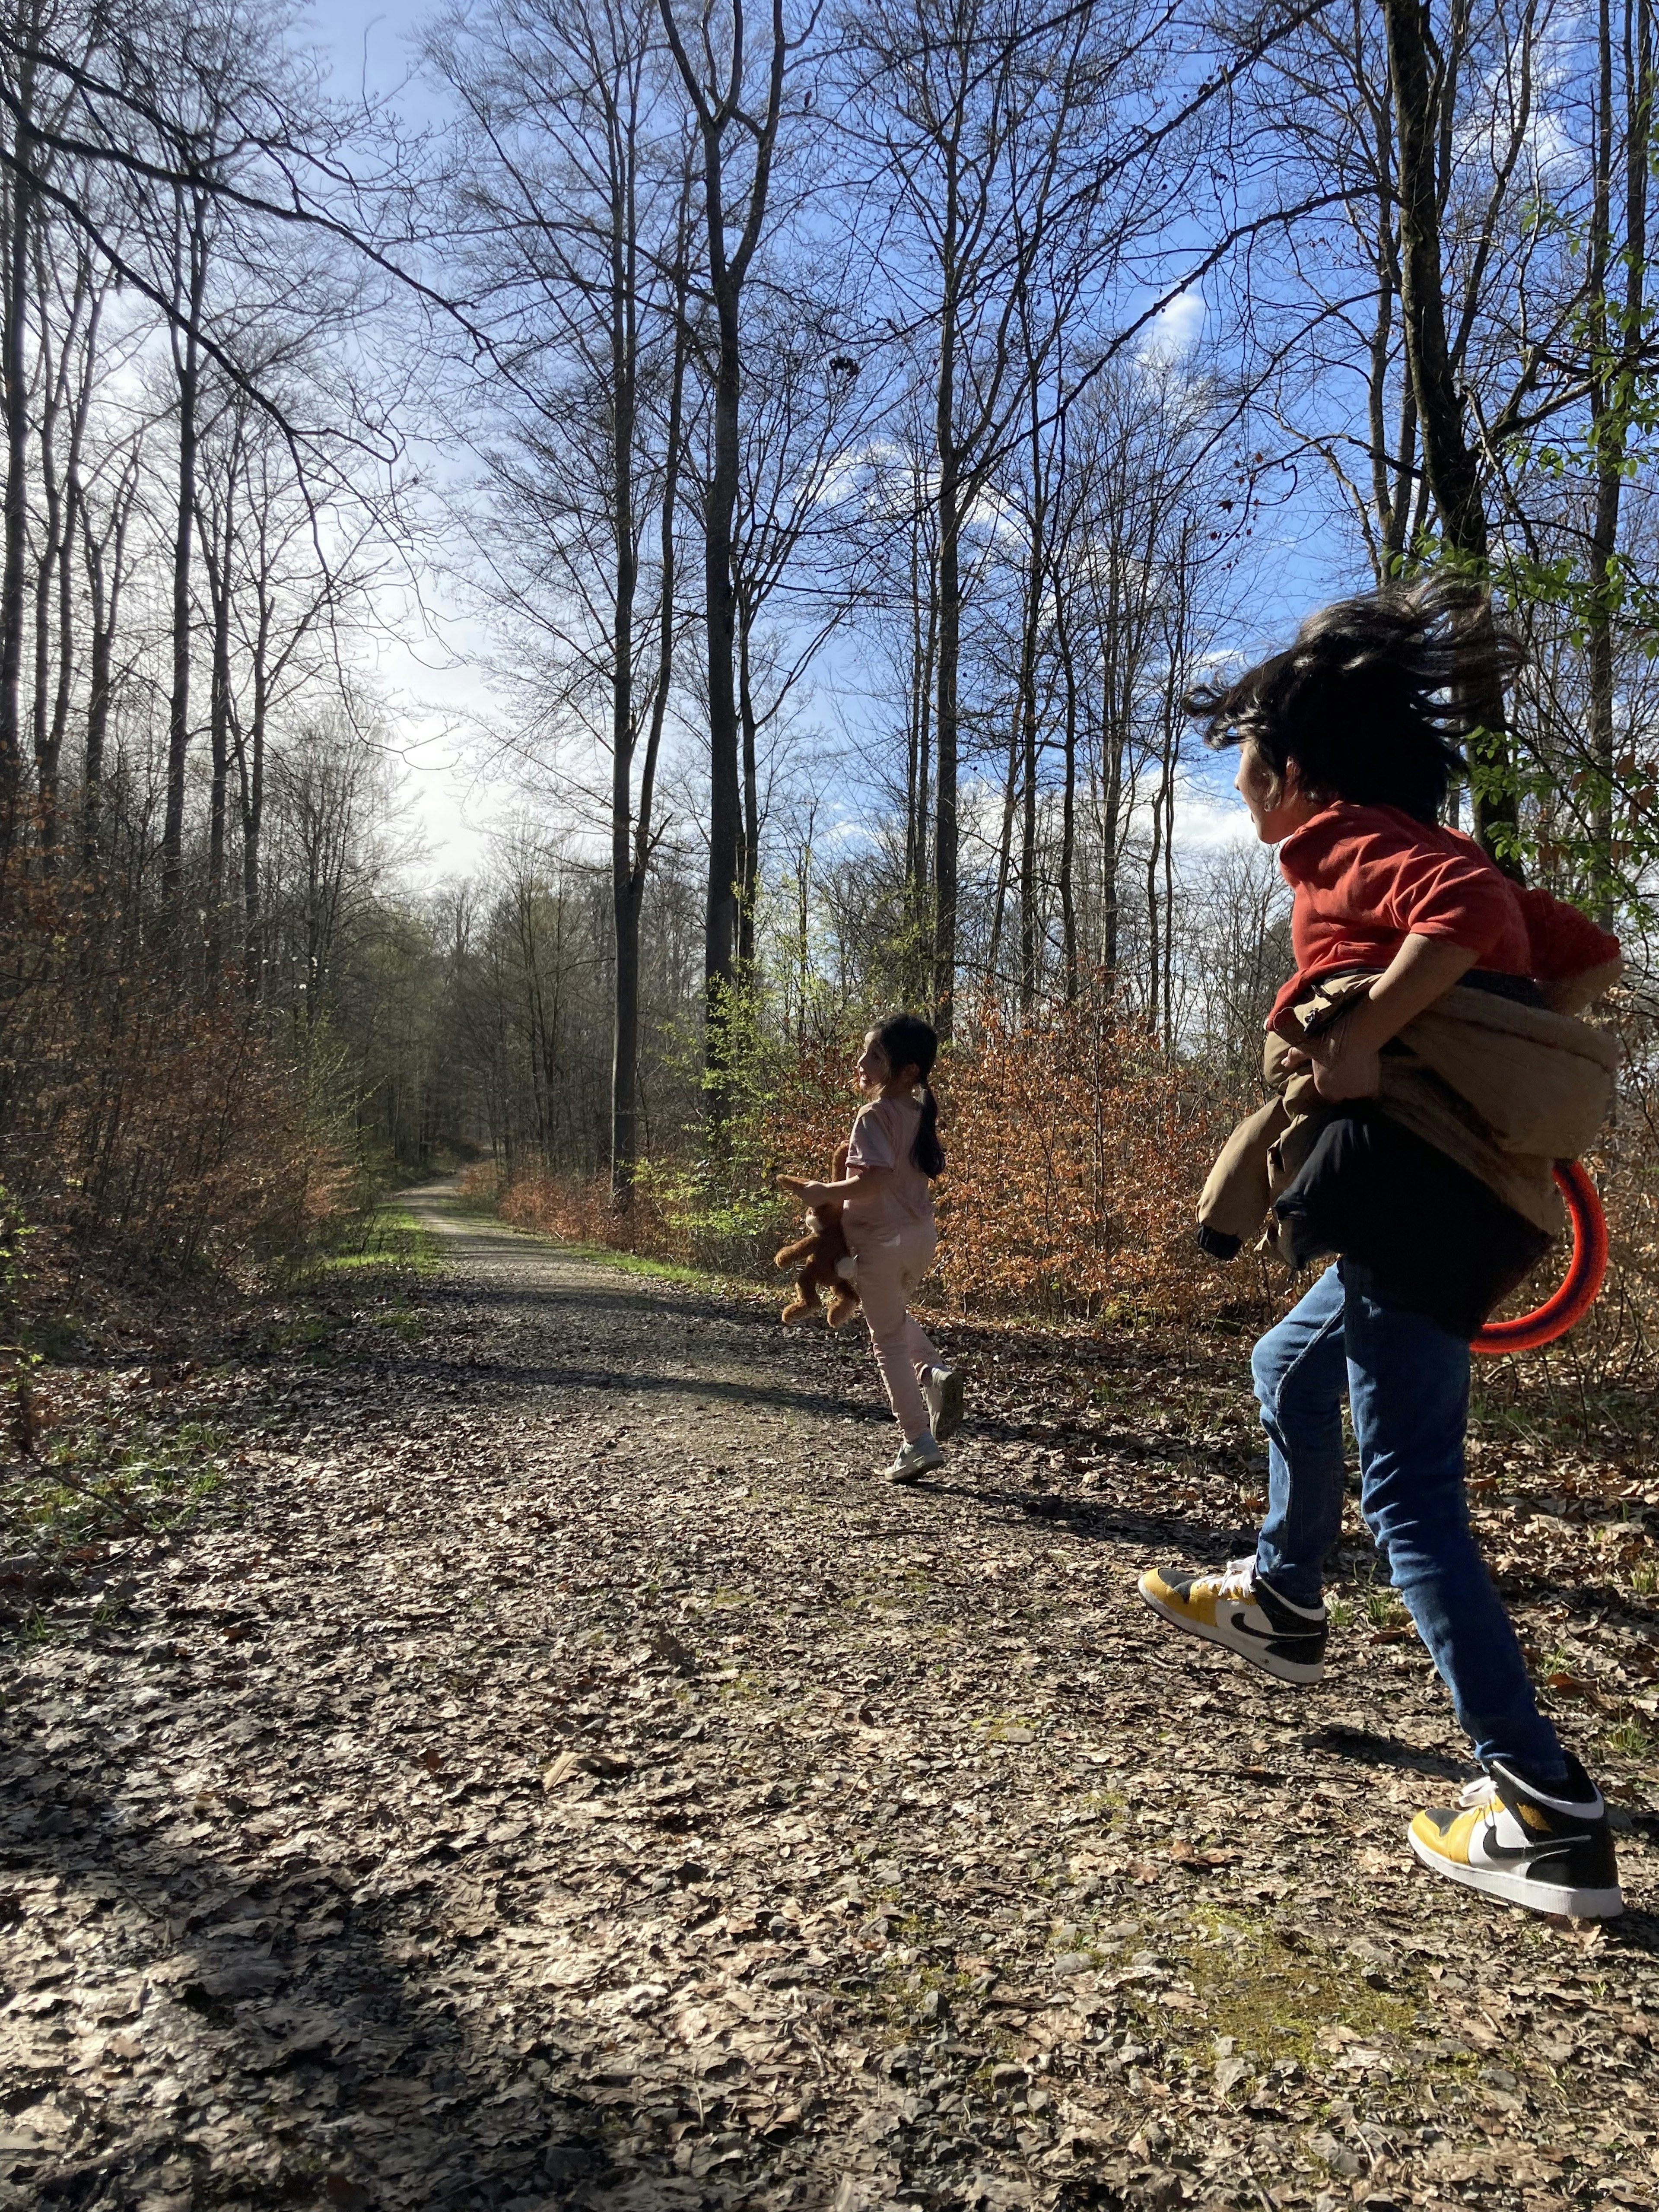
(1407, 1383)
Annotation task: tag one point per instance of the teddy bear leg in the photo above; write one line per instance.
(843, 1304)
(805, 1304)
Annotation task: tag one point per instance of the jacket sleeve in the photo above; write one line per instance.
(1235, 1199)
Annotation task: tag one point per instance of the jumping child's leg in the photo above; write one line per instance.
(1534, 1831)
(1409, 1388)
(1300, 1372)
(1268, 1608)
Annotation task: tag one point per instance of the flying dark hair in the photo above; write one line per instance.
(1374, 697)
(910, 1041)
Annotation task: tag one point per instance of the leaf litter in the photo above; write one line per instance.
(549, 1769)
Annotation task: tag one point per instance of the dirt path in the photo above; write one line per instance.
(552, 1772)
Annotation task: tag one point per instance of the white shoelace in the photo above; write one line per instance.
(1483, 1790)
(1237, 1578)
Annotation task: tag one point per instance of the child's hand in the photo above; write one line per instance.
(810, 1194)
(1338, 1073)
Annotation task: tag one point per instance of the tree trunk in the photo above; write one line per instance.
(104, 596)
(748, 872)
(1111, 812)
(1004, 851)
(1610, 397)
(924, 638)
(16, 398)
(186, 355)
(725, 799)
(1068, 808)
(54, 535)
(1448, 457)
(624, 368)
(216, 560)
(251, 760)
(1029, 908)
(950, 651)
(628, 892)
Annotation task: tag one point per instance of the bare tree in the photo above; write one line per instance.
(728, 111)
(573, 210)
(988, 122)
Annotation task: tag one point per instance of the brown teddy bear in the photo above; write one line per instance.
(820, 1259)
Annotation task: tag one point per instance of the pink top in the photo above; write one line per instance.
(883, 1136)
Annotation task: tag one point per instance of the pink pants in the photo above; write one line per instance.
(892, 1262)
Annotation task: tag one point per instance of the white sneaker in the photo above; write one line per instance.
(920, 1456)
(942, 1391)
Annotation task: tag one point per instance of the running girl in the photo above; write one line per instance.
(888, 1216)
(1345, 755)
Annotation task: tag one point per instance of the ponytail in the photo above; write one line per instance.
(910, 1041)
(927, 1152)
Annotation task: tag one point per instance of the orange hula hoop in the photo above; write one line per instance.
(1568, 1305)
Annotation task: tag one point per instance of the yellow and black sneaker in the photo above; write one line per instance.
(1549, 1850)
(1245, 1615)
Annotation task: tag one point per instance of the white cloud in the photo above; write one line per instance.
(1173, 330)
(1209, 819)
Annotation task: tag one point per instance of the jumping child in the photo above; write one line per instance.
(888, 1216)
(1346, 750)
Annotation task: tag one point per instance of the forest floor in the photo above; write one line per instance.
(541, 1764)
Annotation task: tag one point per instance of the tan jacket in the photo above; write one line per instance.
(1502, 1089)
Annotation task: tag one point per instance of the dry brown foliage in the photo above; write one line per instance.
(582, 1212)
(1075, 1148)
(145, 1104)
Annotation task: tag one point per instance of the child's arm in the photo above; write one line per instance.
(828, 1194)
(1343, 1057)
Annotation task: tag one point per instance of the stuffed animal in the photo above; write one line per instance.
(820, 1259)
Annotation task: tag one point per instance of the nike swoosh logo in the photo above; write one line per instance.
(1267, 1635)
(1238, 1620)
(1500, 1853)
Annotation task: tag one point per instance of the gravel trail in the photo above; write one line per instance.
(554, 1772)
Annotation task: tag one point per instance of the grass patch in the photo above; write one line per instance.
(388, 1240)
(89, 1488)
(635, 1263)
(363, 1280)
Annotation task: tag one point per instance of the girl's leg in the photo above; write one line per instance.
(924, 1352)
(1300, 1371)
(882, 1288)
(1408, 1384)
(918, 1246)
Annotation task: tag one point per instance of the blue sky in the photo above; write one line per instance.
(424, 663)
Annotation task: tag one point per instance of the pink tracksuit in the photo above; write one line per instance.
(891, 1234)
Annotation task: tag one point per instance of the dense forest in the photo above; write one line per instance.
(844, 434)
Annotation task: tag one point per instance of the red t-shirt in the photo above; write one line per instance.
(1367, 878)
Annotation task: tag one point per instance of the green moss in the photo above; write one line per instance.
(1272, 1991)
(404, 1322)
(995, 1727)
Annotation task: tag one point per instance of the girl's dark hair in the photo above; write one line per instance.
(910, 1041)
(1374, 697)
